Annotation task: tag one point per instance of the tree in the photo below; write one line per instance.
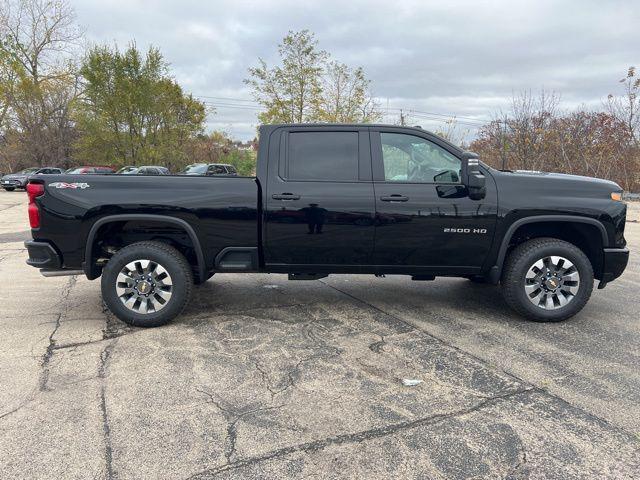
(131, 112)
(534, 135)
(346, 97)
(38, 77)
(290, 92)
(626, 108)
(307, 87)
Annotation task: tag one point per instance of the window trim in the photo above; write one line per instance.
(378, 161)
(365, 173)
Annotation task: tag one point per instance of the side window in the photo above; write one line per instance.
(323, 156)
(216, 170)
(408, 158)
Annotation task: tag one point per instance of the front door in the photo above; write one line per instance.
(320, 205)
(424, 216)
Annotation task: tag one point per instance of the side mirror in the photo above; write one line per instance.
(472, 176)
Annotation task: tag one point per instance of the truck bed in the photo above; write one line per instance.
(222, 211)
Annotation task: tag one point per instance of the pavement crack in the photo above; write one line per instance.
(105, 356)
(46, 357)
(74, 345)
(265, 379)
(519, 470)
(113, 328)
(359, 437)
(482, 361)
(232, 417)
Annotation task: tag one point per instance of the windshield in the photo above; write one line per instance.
(196, 168)
(127, 170)
(27, 171)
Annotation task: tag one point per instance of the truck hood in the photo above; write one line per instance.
(554, 178)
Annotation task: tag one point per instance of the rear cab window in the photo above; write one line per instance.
(322, 156)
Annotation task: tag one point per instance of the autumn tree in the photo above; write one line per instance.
(307, 87)
(37, 42)
(535, 135)
(345, 96)
(132, 112)
(626, 107)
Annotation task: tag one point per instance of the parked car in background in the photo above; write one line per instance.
(20, 179)
(90, 169)
(126, 169)
(209, 169)
(144, 170)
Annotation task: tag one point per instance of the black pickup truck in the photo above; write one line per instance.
(365, 199)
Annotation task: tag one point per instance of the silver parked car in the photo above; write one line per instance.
(20, 179)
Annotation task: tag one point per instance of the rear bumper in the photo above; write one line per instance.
(615, 261)
(42, 255)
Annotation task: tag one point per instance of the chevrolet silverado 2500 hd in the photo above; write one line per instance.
(365, 199)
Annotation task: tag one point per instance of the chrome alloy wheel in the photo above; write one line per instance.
(144, 286)
(552, 282)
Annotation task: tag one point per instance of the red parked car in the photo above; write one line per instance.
(90, 169)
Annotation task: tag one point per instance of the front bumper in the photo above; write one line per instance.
(42, 255)
(13, 183)
(615, 261)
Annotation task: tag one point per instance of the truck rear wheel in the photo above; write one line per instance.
(547, 279)
(147, 284)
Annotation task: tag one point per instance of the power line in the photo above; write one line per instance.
(246, 104)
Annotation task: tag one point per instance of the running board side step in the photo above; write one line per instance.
(423, 278)
(60, 273)
(307, 276)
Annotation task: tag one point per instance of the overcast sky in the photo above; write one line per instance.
(442, 57)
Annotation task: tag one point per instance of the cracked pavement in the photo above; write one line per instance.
(265, 378)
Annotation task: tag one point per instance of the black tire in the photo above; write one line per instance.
(520, 261)
(9, 189)
(168, 258)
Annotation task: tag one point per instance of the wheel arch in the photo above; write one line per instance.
(557, 221)
(92, 271)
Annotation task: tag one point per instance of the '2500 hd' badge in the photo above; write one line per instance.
(81, 186)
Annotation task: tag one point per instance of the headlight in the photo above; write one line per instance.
(616, 196)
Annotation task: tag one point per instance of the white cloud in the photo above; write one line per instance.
(463, 58)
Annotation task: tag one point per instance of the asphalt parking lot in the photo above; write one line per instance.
(266, 378)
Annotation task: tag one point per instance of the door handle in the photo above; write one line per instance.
(285, 196)
(394, 198)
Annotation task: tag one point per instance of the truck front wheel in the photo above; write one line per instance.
(147, 284)
(547, 279)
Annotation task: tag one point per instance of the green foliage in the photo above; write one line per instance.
(131, 111)
(217, 147)
(243, 160)
(37, 82)
(346, 97)
(290, 92)
(307, 87)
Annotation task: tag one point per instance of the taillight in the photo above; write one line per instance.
(34, 190)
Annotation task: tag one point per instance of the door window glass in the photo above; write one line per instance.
(408, 158)
(323, 156)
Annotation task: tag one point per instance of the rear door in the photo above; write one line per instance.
(319, 204)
